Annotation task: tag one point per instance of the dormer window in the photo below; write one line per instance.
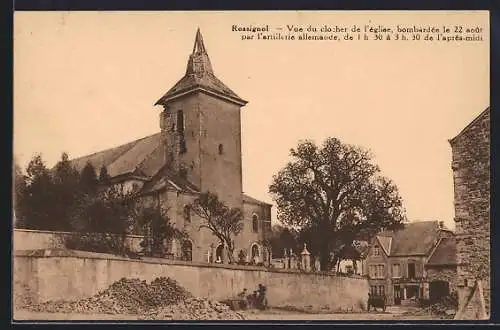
(376, 250)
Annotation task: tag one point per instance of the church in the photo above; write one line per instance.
(198, 149)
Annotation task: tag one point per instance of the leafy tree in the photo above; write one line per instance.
(34, 205)
(158, 230)
(67, 191)
(224, 222)
(19, 186)
(335, 194)
(283, 238)
(103, 220)
(88, 179)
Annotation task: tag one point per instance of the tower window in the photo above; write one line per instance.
(187, 214)
(255, 223)
(221, 149)
(180, 122)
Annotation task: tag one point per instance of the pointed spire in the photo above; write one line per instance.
(199, 63)
(199, 46)
(200, 76)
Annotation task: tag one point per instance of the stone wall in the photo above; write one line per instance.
(444, 273)
(471, 174)
(82, 274)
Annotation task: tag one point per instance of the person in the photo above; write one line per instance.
(243, 299)
(262, 300)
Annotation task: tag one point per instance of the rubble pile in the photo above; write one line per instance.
(193, 309)
(444, 309)
(162, 299)
(126, 296)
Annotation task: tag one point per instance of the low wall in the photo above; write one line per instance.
(25, 239)
(64, 274)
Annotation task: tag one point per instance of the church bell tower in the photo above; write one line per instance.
(201, 129)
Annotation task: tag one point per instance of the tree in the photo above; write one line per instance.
(103, 221)
(158, 229)
(34, 205)
(104, 177)
(67, 191)
(224, 222)
(19, 186)
(283, 238)
(335, 194)
(88, 179)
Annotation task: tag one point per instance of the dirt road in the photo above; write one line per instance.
(249, 315)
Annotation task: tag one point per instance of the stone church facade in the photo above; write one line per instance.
(198, 149)
(471, 174)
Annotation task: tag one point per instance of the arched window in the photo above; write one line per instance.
(255, 223)
(187, 251)
(187, 214)
(221, 149)
(255, 253)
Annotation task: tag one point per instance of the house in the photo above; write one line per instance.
(198, 149)
(441, 268)
(471, 177)
(396, 260)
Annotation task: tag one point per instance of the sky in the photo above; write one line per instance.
(87, 81)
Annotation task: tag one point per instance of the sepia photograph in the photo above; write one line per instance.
(251, 165)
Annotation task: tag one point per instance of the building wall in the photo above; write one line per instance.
(80, 275)
(471, 175)
(374, 260)
(444, 273)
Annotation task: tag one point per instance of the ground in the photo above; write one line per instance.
(392, 313)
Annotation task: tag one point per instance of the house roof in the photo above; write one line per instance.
(466, 128)
(385, 242)
(445, 253)
(144, 157)
(416, 238)
(200, 76)
(251, 200)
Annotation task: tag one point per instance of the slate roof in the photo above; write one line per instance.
(385, 242)
(200, 77)
(445, 253)
(142, 157)
(417, 238)
(165, 180)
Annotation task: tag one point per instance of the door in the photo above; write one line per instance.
(438, 290)
(397, 295)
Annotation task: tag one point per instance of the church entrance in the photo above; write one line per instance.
(255, 254)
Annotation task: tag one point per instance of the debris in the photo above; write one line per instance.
(162, 299)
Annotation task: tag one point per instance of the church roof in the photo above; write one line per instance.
(200, 77)
(144, 157)
(251, 200)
